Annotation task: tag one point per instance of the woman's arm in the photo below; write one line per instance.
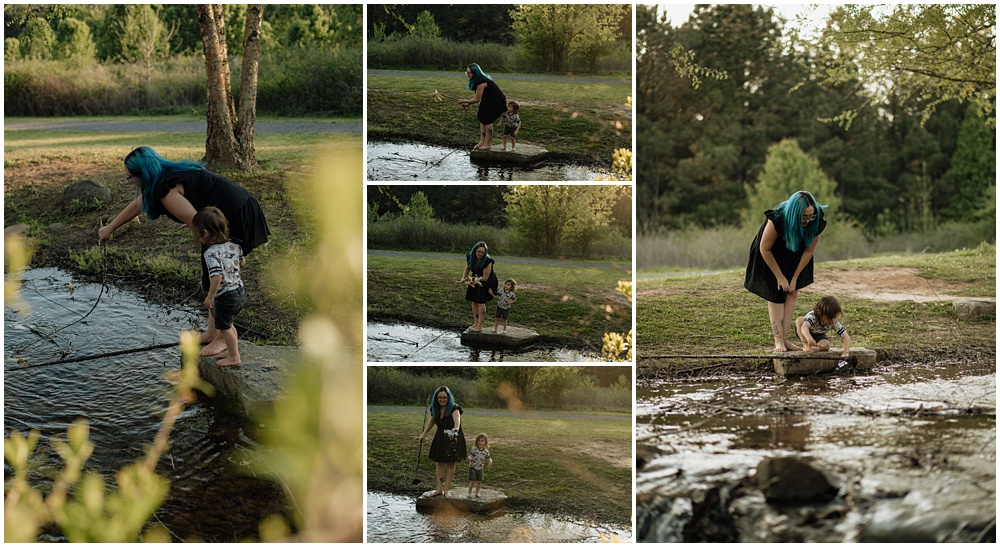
(477, 98)
(767, 240)
(457, 416)
(130, 211)
(806, 257)
(179, 206)
(487, 271)
(426, 429)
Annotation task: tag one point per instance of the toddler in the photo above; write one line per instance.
(511, 125)
(505, 297)
(477, 456)
(225, 291)
(812, 327)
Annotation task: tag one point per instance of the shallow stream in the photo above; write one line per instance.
(212, 494)
(404, 342)
(393, 518)
(912, 449)
(394, 161)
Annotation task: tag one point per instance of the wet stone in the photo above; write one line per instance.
(789, 479)
(525, 153)
(975, 308)
(798, 363)
(490, 501)
(516, 337)
(258, 382)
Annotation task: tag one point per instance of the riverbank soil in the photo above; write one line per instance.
(571, 464)
(158, 258)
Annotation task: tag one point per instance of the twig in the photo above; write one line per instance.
(98, 356)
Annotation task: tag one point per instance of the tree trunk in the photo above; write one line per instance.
(219, 14)
(248, 84)
(220, 143)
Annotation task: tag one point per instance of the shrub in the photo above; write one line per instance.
(420, 53)
(392, 386)
(418, 234)
(302, 81)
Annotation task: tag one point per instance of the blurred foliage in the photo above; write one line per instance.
(619, 346)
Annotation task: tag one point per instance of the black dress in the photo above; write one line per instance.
(447, 448)
(760, 279)
(247, 225)
(481, 294)
(492, 104)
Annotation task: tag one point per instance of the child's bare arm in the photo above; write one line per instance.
(847, 345)
(213, 287)
(489, 462)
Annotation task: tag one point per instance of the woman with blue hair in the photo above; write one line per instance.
(781, 260)
(179, 189)
(448, 446)
(492, 103)
(483, 284)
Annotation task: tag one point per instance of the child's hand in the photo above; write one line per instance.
(492, 293)
(490, 464)
(846, 354)
(209, 302)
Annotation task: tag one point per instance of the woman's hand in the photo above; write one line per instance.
(793, 283)
(420, 438)
(104, 233)
(783, 284)
(455, 429)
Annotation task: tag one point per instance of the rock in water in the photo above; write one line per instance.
(790, 479)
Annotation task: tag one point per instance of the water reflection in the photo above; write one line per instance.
(392, 161)
(212, 496)
(404, 342)
(393, 518)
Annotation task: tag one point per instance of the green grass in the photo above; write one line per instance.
(575, 121)
(564, 304)
(544, 464)
(714, 314)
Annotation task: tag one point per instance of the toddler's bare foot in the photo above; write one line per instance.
(809, 349)
(478, 496)
(792, 347)
(505, 331)
(215, 347)
(229, 362)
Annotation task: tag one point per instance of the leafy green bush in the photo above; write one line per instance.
(302, 81)
(392, 386)
(415, 52)
(419, 234)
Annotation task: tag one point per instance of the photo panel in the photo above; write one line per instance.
(499, 453)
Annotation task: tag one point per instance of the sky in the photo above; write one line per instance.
(678, 13)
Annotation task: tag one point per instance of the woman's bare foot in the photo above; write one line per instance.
(229, 362)
(447, 495)
(207, 337)
(214, 347)
(478, 496)
(435, 493)
(792, 347)
(779, 349)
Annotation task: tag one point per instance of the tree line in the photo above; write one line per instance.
(524, 37)
(903, 146)
(535, 220)
(118, 59)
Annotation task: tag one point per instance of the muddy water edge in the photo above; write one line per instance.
(909, 450)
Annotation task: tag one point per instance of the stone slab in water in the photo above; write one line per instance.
(794, 363)
(525, 153)
(258, 382)
(973, 308)
(516, 337)
(489, 501)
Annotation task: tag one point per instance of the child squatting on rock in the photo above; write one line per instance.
(812, 327)
(477, 456)
(225, 291)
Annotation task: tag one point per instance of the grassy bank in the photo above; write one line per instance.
(565, 304)
(160, 258)
(579, 467)
(574, 121)
(714, 314)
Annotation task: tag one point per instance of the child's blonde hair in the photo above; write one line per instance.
(485, 438)
(513, 284)
(828, 309)
(211, 220)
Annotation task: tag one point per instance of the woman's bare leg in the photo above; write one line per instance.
(449, 474)
(775, 314)
(439, 474)
(788, 315)
(482, 137)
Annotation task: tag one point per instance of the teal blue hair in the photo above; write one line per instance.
(798, 237)
(447, 409)
(149, 167)
(470, 258)
(478, 77)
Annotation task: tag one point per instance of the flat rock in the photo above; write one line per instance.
(86, 191)
(489, 501)
(975, 308)
(796, 363)
(791, 479)
(259, 381)
(516, 337)
(525, 153)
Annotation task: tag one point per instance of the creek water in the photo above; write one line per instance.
(395, 161)
(404, 342)
(913, 449)
(213, 496)
(393, 518)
